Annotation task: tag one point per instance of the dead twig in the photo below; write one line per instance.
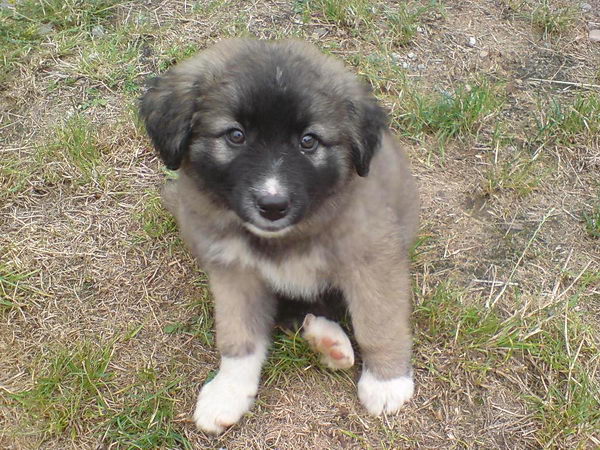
(566, 83)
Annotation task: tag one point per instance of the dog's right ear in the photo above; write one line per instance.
(167, 109)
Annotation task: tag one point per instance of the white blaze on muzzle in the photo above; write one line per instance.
(272, 186)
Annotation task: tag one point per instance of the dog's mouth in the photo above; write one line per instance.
(270, 227)
(270, 231)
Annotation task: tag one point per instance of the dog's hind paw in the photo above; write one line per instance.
(379, 396)
(328, 338)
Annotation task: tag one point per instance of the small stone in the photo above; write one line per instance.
(396, 57)
(484, 53)
(421, 67)
(321, 32)
(420, 30)
(586, 7)
(45, 29)
(595, 35)
(411, 55)
(405, 65)
(472, 42)
(98, 31)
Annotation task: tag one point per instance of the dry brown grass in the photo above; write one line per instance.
(94, 259)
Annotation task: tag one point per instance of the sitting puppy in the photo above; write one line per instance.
(273, 142)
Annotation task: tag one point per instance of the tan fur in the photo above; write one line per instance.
(370, 267)
(357, 241)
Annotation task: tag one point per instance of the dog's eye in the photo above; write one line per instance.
(309, 143)
(236, 136)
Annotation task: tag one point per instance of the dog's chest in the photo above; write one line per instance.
(298, 275)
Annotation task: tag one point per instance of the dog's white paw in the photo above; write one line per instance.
(221, 403)
(328, 338)
(226, 398)
(388, 396)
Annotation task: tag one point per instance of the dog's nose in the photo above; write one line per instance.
(273, 207)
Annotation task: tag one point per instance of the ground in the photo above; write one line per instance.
(106, 329)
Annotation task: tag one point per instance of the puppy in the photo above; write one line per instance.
(273, 142)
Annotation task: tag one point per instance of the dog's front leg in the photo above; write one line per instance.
(244, 312)
(378, 298)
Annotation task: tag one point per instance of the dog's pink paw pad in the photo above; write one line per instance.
(336, 354)
(328, 338)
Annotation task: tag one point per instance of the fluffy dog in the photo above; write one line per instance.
(273, 142)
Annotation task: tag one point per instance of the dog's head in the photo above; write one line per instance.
(269, 129)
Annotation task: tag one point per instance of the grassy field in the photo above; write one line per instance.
(106, 331)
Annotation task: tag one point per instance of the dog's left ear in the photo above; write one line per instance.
(167, 109)
(371, 121)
